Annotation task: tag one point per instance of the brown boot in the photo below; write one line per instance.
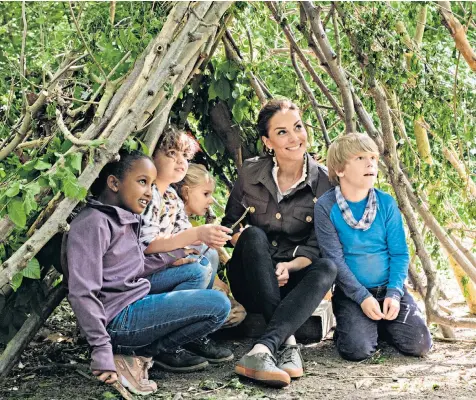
(236, 316)
(132, 372)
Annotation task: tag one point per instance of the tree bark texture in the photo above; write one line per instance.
(459, 34)
(183, 35)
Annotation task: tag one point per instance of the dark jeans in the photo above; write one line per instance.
(251, 272)
(357, 335)
(176, 311)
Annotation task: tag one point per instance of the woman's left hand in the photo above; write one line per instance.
(282, 273)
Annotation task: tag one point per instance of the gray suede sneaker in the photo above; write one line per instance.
(290, 360)
(262, 367)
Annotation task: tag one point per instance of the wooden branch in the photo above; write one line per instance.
(15, 347)
(452, 156)
(35, 143)
(311, 97)
(6, 227)
(337, 38)
(232, 51)
(22, 126)
(68, 135)
(292, 41)
(337, 72)
(458, 33)
(22, 52)
(423, 209)
(118, 126)
(420, 28)
(45, 213)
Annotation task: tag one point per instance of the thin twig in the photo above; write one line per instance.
(22, 53)
(336, 37)
(79, 100)
(311, 97)
(84, 41)
(248, 33)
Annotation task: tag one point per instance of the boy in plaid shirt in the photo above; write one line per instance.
(360, 228)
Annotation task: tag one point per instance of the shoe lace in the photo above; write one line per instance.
(289, 354)
(205, 340)
(268, 359)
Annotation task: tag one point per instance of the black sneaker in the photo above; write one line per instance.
(209, 350)
(180, 361)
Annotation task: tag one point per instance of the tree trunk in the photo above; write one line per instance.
(15, 347)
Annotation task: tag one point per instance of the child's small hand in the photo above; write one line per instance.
(214, 236)
(108, 377)
(282, 273)
(391, 308)
(371, 308)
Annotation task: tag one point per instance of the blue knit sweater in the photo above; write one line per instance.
(364, 259)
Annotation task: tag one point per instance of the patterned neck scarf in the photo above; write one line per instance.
(369, 213)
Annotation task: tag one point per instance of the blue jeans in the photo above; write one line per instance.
(213, 258)
(176, 311)
(357, 335)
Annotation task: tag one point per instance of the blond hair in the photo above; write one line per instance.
(345, 147)
(196, 175)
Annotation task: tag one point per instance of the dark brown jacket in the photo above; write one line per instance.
(289, 225)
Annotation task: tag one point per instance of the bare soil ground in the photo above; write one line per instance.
(55, 367)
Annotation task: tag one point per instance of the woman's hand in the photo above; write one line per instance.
(282, 273)
(108, 377)
(214, 236)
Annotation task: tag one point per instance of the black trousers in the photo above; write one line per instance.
(356, 335)
(251, 272)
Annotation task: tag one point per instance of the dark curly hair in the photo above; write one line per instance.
(176, 139)
(117, 168)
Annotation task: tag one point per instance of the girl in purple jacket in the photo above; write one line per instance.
(128, 305)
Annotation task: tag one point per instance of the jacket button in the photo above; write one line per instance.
(278, 216)
(308, 218)
(274, 243)
(314, 200)
(252, 209)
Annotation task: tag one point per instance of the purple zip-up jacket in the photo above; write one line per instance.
(105, 272)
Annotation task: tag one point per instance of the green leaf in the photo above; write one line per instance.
(13, 190)
(70, 188)
(16, 281)
(33, 187)
(223, 89)
(16, 212)
(29, 202)
(238, 113)
(212, 94)
(32, 270)
(42, 165)
(75, 161)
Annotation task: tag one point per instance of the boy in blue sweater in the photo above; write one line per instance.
(360, 228)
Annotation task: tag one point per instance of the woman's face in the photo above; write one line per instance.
(171, 165)
(198, 198)
(286, 136)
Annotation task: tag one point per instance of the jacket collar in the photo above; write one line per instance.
(266, 178)
(123, 216)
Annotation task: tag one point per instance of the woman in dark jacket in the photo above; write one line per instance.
(276, 267)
